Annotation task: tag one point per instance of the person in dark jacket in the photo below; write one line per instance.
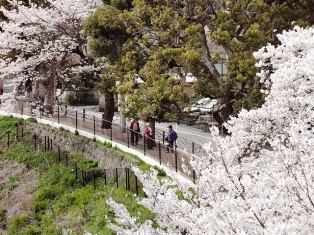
(135, 131)
(171, 138)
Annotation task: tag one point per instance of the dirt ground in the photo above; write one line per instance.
(17, 189)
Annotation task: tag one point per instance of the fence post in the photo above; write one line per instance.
(159, 152)
(111, 132)
(58, 114)
(105, 174)
(176, 160)
(129, 179)
(127, 137)
(94, 179)
(83, 114)
(94, 125)
(136, 187)
(45, 143)
(59, 154)
(23, 107)
(65, 110)
(8, 139)
(35, 142)
(144, 144)
(194, 176)
(192, 147)
(17, 131)
(76, 119)
(22, 132)
(117, 178)
(83, 178)
(50, 144)
(163, 137)
(126, 178)
(66, 159)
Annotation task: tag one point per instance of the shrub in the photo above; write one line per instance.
(3, 217)
(161, 172)
(18, 224)
(70, 99)
(108, 144)
(32, 119)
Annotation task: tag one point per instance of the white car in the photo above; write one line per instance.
(205, 105)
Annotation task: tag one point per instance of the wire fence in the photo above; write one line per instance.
(119, 177)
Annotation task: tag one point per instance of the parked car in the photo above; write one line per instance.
(204, 105)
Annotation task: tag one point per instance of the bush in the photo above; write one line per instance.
(77, 98)
(3, 217)
(85, 164)
(161, 172)
(32, 119)
(18, 224)
(70, 99)
(108, 144)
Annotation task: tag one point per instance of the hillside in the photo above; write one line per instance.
(41, 195)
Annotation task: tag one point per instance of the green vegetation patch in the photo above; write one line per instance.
(62, 205)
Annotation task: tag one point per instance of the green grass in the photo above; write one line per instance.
(62, 204)
(10, 184)
(3, 217)
(85, 164)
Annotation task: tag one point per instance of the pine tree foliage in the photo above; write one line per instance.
(260, 178)
(163, 39)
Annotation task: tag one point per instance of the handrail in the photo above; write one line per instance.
(183, 144)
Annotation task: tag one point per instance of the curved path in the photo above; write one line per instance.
(158, 156)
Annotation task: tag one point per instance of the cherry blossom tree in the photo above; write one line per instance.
(260, 178)
(46, 44)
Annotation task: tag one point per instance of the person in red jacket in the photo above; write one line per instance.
(149, 136)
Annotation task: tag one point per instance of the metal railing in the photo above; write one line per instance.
(184, 150)
(119, 177)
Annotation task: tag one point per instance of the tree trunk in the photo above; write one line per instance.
(49, 95)
(108, 111)
(45, 93)
(225, 112)
(221, 117)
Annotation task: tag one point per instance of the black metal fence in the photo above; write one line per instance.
(120, 177)
(183, 151)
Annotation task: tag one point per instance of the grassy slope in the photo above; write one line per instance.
(61, 205)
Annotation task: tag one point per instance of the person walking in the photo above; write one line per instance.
(171, 138)
(135, 130)
(149, 136)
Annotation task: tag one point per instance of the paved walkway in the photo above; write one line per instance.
(173, 160)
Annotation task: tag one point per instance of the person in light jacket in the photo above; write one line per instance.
(149, 136)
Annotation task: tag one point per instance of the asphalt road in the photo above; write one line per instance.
(186, 134)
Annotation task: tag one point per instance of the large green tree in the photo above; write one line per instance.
(155, 40)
